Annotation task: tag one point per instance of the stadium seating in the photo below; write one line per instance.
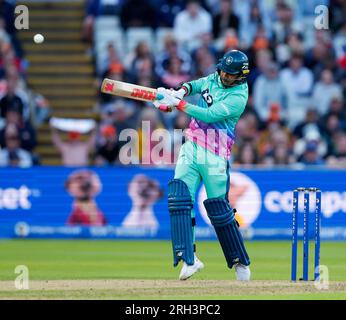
(103, 38)
(161, 33)
(134, 35)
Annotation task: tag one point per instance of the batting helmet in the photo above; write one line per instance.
(234, 62)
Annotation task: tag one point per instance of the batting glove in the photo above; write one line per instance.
(165, 101)
(178, 93)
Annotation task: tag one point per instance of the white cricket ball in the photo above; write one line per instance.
(38, 38)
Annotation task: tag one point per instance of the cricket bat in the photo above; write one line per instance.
(128, 90)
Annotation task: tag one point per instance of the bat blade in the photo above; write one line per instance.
(128, 90)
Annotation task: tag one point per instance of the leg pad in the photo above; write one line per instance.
(180, 206)
(222, 218)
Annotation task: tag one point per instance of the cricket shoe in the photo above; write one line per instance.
(187, 271)
(243, 272)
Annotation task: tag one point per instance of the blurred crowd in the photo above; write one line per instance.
(296, 112)
(21, 109)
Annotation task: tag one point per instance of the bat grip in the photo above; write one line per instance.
(165, 108)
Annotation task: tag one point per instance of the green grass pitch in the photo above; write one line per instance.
(99, 269)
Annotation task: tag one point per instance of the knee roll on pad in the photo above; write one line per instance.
(222, 218)
(180, 206)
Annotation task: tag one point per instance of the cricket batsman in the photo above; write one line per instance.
(205, 157)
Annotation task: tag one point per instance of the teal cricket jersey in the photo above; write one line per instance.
(215, 116)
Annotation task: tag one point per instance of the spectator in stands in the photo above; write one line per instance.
(311, 155)
(332, 127)
(262, 15)
(11, 100)
(285, 23)
(207, 45)
(167, 10)
(293, 44)
(18, 78)
(260, 54)
(279, 151)
(9, 58)
(74, 151)
(229, 41)
(191, 23)
(259, 60)
(338, 159)
(174, 75)
(147, 79)
(138, 13)
(115, 70)
(112, 61)
(121, 113)
(12, 154)
(312, 117)
(204, 62)
(225, 19)
(321, 55)
(273, 134)
(172, 50)
(268, 90)
(337, 107)
(312, 144)
(278, 156)
(22, 129)
(108, 152)
(248, 33)
(246, 155)
(146, 76)
(324, 90)
(140, 63)
(260, 40)
(247, 128)
(297, 81)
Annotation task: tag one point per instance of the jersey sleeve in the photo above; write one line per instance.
(232, 107)
(194, 86)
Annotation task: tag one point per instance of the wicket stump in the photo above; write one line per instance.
(306, 235)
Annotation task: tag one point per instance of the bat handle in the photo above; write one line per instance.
(165, 108)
